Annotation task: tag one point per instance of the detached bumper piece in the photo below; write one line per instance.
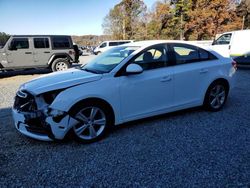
(37, 124)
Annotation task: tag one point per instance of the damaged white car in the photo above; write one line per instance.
(126, 83)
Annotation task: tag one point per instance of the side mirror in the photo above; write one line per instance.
(134, 69)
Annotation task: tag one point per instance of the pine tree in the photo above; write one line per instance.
(181, 10)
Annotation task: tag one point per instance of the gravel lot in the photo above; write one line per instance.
(191, 148)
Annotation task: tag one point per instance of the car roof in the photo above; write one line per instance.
(236, 31)
(147, 43)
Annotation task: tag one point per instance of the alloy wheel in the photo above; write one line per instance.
(217, 96)
(92, 122)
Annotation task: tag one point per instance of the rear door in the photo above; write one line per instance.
(20, 53)
(42, 50)
(192, 73)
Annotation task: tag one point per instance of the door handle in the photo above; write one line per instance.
(166, 79)
(203, 71)
(46, 52)
(28, 52)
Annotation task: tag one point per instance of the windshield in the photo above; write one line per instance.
(108, 60)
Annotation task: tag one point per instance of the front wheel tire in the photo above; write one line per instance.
(93, 122)
(216, 96)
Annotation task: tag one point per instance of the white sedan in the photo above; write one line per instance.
(126, 83)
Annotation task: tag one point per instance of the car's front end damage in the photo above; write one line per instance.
(33, 111)
(34, 118)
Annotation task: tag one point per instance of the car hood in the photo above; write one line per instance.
(59, 80)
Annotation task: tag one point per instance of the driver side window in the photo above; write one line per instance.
(103, 45)
(19, 43)
(224, 39)
(152, 58)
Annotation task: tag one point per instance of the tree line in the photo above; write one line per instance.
(176, 19)
(169, 19)
(3, 38)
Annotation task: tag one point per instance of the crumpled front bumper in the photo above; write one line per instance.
(41, 127)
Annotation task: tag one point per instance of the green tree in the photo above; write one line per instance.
(3, 38)
(181, 15)
(174, 19)
(113, 23)
(125, 19)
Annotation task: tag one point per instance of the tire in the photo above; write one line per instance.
(94, 120)
(216, 96)
(60, 64)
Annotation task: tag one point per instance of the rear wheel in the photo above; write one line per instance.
(216, 96)
(93, 122)
(60, 64)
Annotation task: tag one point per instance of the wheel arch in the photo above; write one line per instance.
(99, 101)
(57, 56)
(223, 80)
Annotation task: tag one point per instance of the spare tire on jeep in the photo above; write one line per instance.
(60, 64)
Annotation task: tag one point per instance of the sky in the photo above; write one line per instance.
(62, 17)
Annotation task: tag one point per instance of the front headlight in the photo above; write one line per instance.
(50, 96)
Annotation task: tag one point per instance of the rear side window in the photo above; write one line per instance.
(124, 42)
(19, 43)
(113, 43)
(41, 42)
(189, 54)
(61, 42)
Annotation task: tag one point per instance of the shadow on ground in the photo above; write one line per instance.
(6, 74)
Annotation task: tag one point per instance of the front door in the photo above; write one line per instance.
(222, 44)
(19, 53)
(150, 92)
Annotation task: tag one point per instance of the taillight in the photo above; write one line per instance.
(234, 64)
